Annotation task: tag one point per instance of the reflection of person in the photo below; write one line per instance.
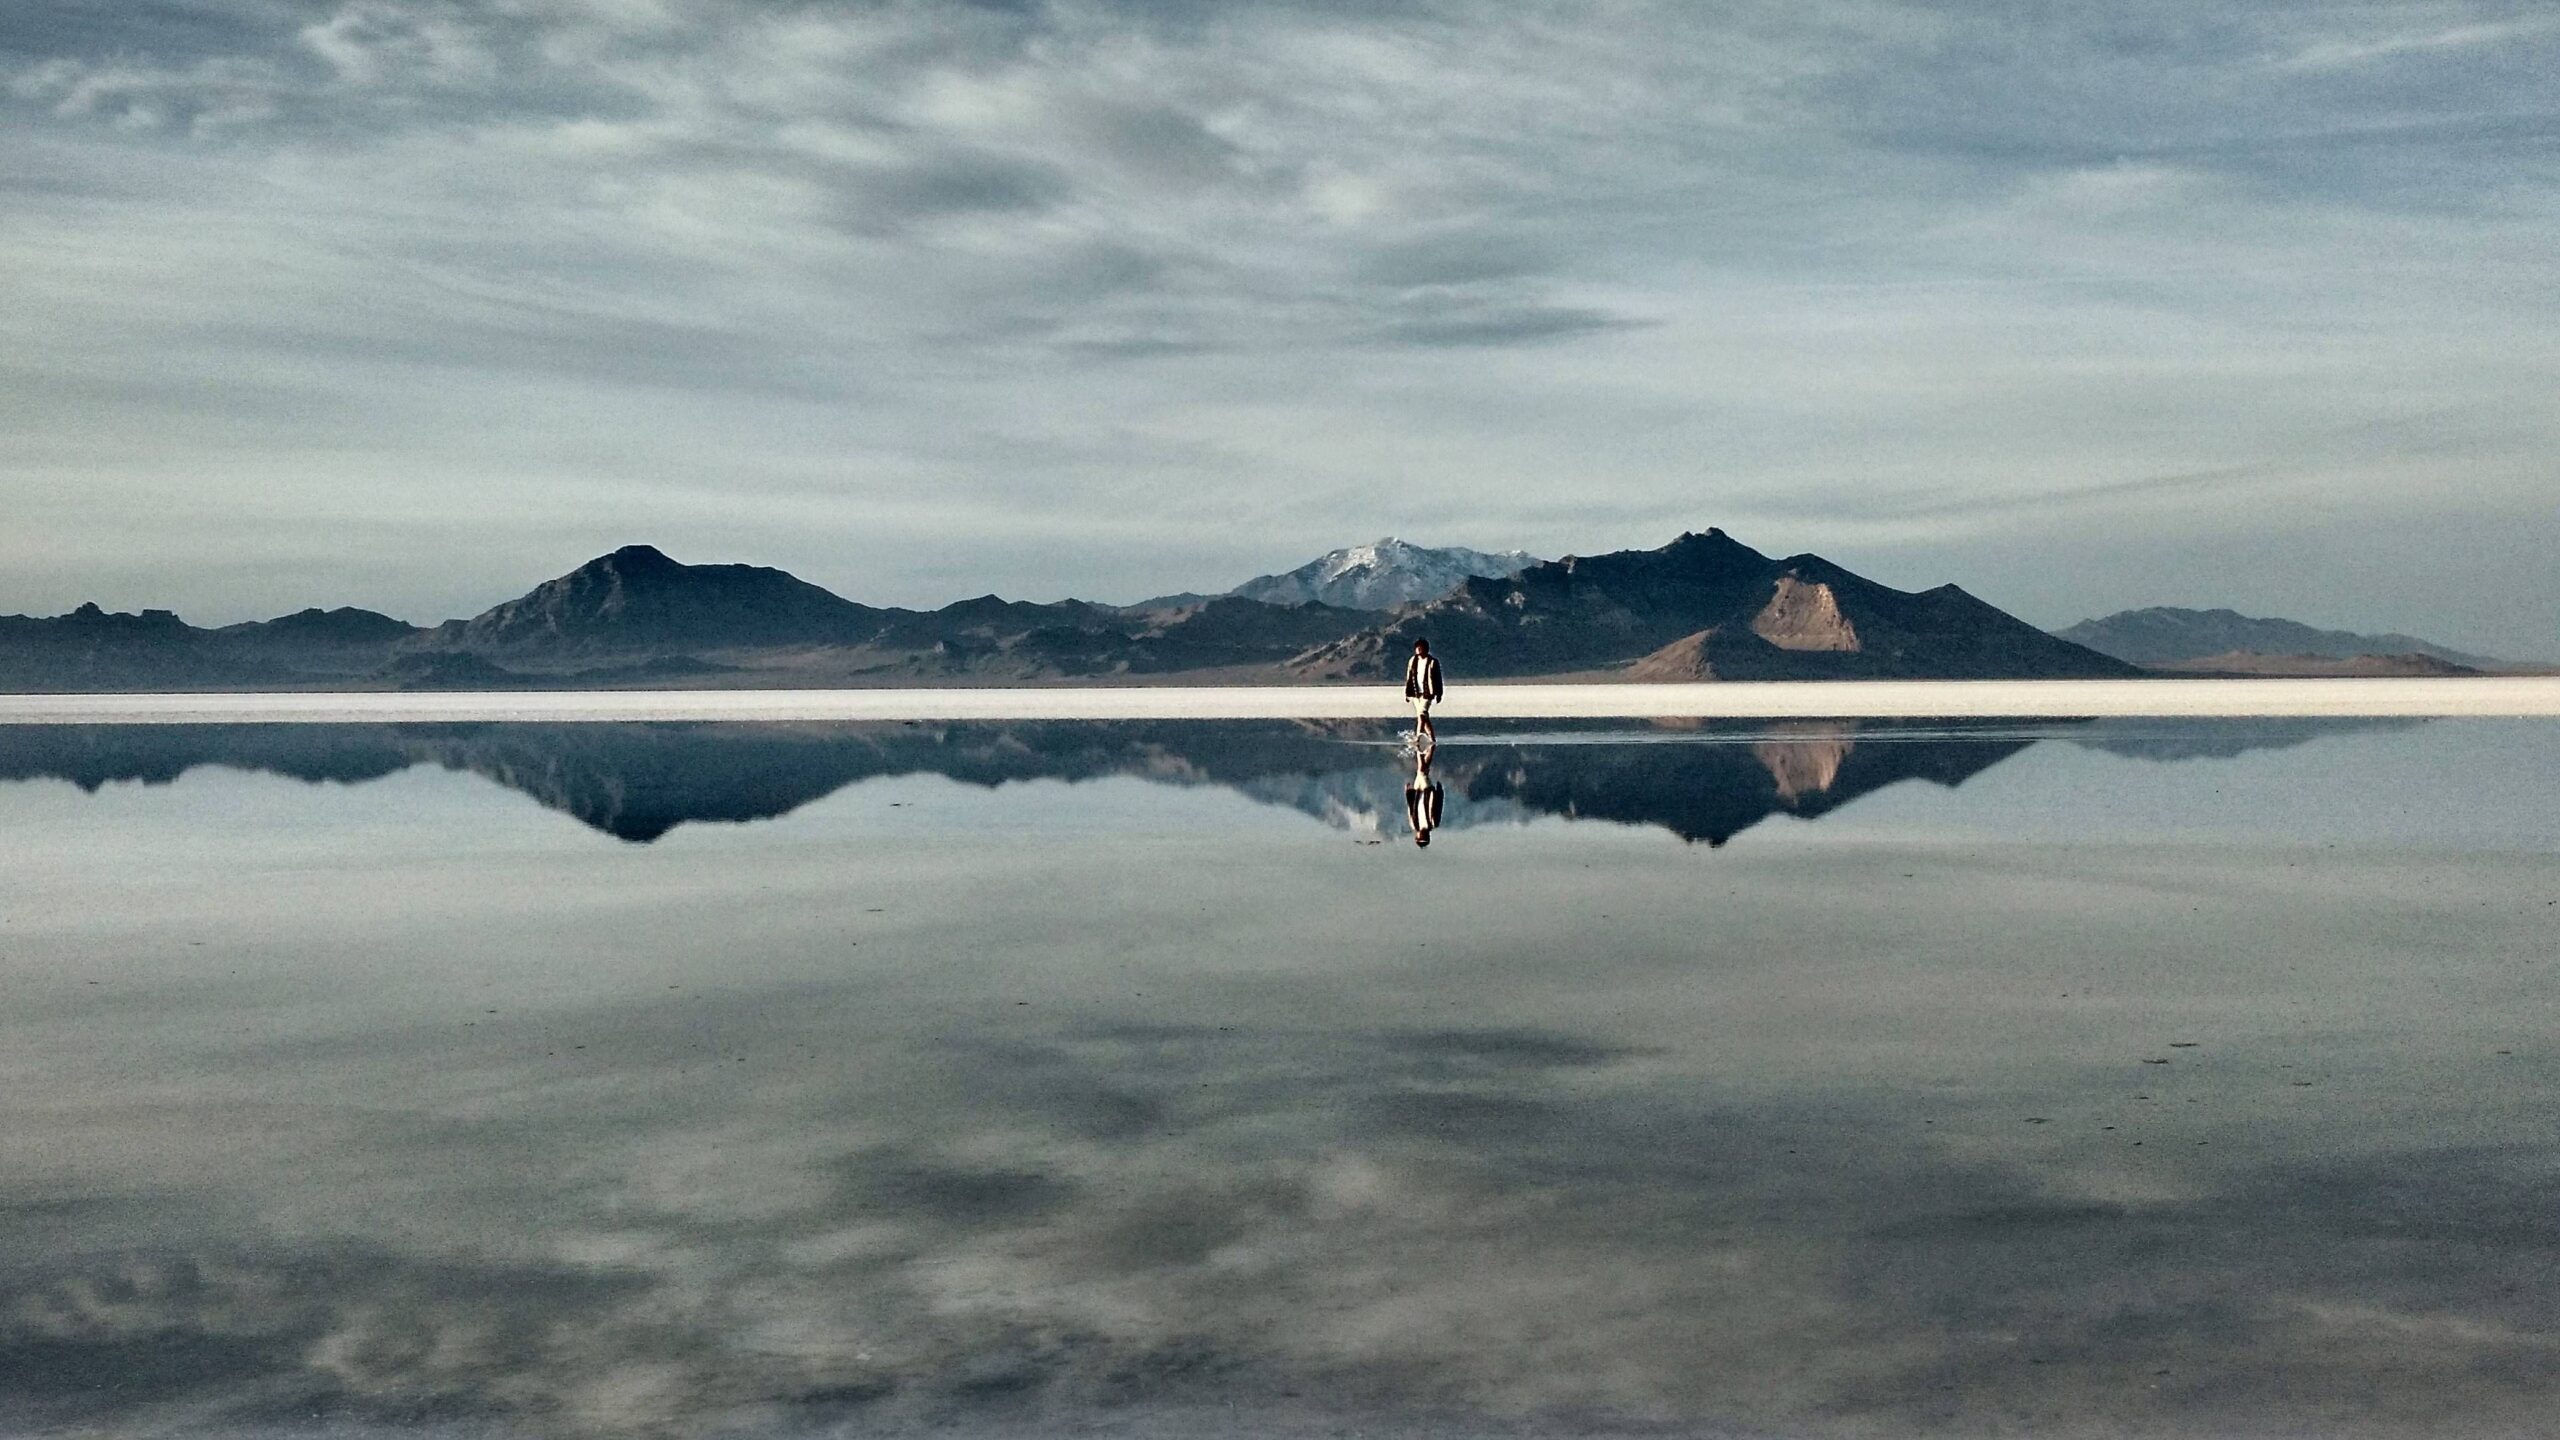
(1422, 797)
(1422, 686)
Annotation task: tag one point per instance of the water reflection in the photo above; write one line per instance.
(1424, 797)
(1701, 781)
(812, 1132)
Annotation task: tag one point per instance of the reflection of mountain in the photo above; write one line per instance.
(1711, 789)
(2136, 738)
(639, 781)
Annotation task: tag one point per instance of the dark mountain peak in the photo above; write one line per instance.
(1711, 541)
(639, 598)
(1711, 549)
(993, 614)
(1710, 555)
(634, 564)
(89, 615)
(346, 625)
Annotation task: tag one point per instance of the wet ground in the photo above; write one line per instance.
(2130, 1077)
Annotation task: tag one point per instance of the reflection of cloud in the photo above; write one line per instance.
(1030, 1124)
(1505, 1222)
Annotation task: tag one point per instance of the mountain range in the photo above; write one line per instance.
(1704, 607)
(2166, 636)
(1708, 607)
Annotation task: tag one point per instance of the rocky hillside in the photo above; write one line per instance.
(1707, 607)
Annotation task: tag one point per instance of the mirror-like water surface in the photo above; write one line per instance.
(2111, 1078)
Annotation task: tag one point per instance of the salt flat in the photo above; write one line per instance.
(2499, 695)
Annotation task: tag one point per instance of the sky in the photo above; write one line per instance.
(412, 304)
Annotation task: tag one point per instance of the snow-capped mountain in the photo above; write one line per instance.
(1382, 575)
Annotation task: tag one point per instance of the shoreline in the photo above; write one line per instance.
(2509, 696)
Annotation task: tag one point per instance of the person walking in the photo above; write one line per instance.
(1422, 688)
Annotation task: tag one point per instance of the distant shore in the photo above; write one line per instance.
(1909, 699)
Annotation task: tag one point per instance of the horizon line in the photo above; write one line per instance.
(2475, 696)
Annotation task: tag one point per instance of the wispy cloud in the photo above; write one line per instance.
(511, 251)
(2369, 47)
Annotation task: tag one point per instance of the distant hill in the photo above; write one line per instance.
(638, 599)
(2168, 635)
(1707, 607)
(1381, 575)
(638, 617)
(95, 649)
(2250, 662)
(345, 627)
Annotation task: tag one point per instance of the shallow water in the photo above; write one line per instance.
(2132, 1077)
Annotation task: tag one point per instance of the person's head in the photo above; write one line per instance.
(1421, 646)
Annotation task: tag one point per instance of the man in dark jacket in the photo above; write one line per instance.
(1422, 687)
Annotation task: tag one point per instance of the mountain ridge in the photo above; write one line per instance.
(1703, 607)
(1708, 607)
(2172, 634)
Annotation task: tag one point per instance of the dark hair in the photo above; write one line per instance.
(1421, 645)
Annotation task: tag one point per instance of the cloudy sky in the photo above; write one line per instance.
(409, 304)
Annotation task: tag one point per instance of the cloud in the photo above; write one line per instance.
(371, 41)
(1497, 1225)
(1444, 320)
(956, 265)
(2344, 53)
